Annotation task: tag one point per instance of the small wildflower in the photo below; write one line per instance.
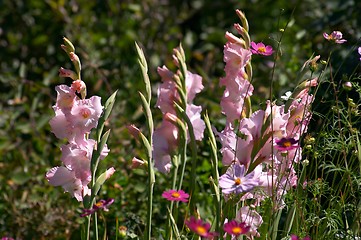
(285, 144)
(102, 204)
(235, 180)
(200, 228)
(261, 49)
(235, 228)
(174, 195)
(347, 85)
(335, 36)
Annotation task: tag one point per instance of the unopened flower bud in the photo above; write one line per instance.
(136, 163)
(309, 140)
(243, 18)
(171, 117)
(76, 61)
(123, 231)
(133, 130)
(67, 73)
(281, 29)
(347, 86)
(68, 46)
(305, 162)
(233, 39)
(78, 86)
(308, 147)
(109, 172)
(323, 62)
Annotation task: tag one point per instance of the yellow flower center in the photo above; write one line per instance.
(201, 230)
(237, 230)
(287, 144)
(85, 113)
(99, 204)
(261, 49)
(237, 181)
(176, 195)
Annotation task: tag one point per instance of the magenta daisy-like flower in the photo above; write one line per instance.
(235, 180)
(261, 49)
(359, 52)
(235, 228)
(102, 204)
(286, 144)
(174, 195)
(200, 228)
(335, 36)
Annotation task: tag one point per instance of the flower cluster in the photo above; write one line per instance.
(260, 148)
(75, 116)
(166, 136)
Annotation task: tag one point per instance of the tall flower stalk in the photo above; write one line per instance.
(75, 117)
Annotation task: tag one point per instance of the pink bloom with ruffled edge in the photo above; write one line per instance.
(176, 195)
(261, 49)
(200, 228)
(335, 36)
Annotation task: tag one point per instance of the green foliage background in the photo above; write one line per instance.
(104, 33)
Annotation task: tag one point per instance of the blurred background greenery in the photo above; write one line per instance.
(104, 32)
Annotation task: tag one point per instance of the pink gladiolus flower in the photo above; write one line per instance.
(174, 195)
(286, 144)
(235, 228)
(200, 228)
(261, 49)
(102, 204)
(62, 176)
(251, 218)
(335, 36)
(235, 180)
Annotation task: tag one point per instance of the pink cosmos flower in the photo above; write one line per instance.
(235, 228)
(102, 204)
(174, 195)
(286, 144)
(200, 228)
(335, 36)
(261, 49)
(359, 51)
(235, 180)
